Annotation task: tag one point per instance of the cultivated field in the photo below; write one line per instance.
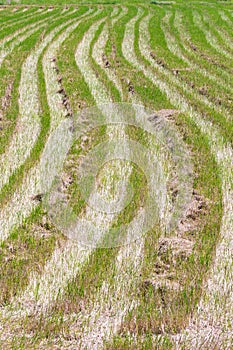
(116, 186)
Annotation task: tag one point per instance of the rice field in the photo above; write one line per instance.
(116, 186)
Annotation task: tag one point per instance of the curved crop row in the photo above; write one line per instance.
(92, 294)
(223, 154)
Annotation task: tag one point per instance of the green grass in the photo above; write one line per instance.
(17, 177)
(177, 309)
(161, 311)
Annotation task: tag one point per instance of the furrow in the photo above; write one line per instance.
(12, 36)
(144, 47)
(64, 263)
(81, 56)
(209, 37)
(220, 282)
(225, 17)
(113, 302)
(228, 43)
(174, 48)
(28, 125)
(117, 296)
(15, 33)
(33, 182)
(57, 110)
(44, 13)
(5, 50)
(99, 314)
(15, 20)
(100, 95)
(98, 52)
(222, 79)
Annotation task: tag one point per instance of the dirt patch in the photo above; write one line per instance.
(163, 279)
(44, 229)
(162, 283)
(193, 47)
(194, 214)
(37, 197)
(179, 248)
(131, 88)
(172, 251)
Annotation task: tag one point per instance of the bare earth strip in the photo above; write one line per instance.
(64, 263)
(98, 51)
(102, 319)
(115, 299)
(53, 148)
